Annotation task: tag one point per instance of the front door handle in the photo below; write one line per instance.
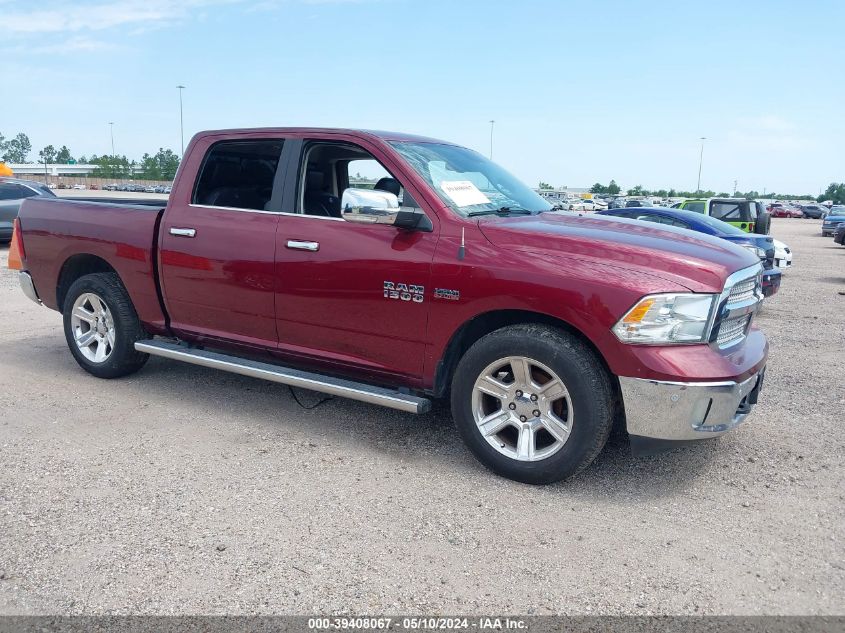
(183, 232)
(303, 245)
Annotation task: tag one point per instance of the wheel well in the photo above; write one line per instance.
(76, 267)
(482, 325)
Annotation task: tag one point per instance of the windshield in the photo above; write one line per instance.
(466, 181)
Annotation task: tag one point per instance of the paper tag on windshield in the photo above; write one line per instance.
(463, 193)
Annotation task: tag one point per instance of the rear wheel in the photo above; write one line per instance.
(533, 403)
(101, 326)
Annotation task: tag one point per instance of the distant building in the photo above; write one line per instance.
(56, 170)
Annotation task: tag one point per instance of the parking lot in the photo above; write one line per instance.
(186, 490)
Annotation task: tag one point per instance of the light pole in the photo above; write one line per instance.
(700, 160)
(111, 130)
(181, 120)
(492, 122)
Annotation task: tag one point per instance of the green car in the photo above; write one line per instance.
(749, 215)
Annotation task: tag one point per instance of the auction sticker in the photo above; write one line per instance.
(463, 193)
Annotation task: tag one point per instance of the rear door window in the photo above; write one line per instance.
(13, 191)
(659, 219)
(8, 192)
(238, 174)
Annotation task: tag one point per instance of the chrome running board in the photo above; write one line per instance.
(287, 376)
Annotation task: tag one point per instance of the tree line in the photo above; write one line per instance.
(159, 166)
(612, 188)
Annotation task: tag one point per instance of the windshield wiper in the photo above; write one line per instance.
(501, 211)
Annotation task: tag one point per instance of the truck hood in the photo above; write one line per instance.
(695, 261)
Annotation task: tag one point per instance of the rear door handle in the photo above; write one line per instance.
(183, 232)
(303, 245)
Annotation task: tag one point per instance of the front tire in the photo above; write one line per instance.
(533, 403)
(101, 326)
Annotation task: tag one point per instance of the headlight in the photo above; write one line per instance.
(759, 252)
(666, 319)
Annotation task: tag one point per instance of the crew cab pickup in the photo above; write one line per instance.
(396, 269)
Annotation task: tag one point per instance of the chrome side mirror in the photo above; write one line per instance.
(373, 206)
(369, 206)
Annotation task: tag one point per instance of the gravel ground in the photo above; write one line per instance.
(184, 490)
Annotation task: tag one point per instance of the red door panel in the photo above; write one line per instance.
(220, 283)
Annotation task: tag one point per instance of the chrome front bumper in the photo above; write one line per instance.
(28, 287)
(682, 411)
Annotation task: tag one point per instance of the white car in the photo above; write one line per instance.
(783, 255)
(79, 187)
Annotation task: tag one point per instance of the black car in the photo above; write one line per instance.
(839, 236)
(13, 191)
(815, 211)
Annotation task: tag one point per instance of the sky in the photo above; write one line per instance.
(580, 92)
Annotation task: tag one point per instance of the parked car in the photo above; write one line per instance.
(617, 203)
(832, 220)
(111, 187)
(761, 245)
(785, 211)
(815, 211)
(558, 204)
(783, 255)
(13, 191)
(150, 189)
(638, 203)
(839, 236)
(748, 215)
(542, 327)
(167, 189)
(79, 187)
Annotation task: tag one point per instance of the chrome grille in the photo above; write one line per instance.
(732, 330)
(743, 290)
(739, 301)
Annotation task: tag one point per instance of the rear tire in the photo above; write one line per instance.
(101, 326)
(570, 430)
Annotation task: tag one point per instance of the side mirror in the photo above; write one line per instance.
(372, 206)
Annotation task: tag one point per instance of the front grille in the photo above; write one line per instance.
(738, 307)
(732, 330)
(743, 290)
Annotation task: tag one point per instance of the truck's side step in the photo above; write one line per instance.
(287, 376)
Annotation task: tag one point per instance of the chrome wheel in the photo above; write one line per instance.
(93, 329)
(522, 408)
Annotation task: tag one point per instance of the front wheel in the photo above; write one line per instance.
(533, 403)
(101, 326)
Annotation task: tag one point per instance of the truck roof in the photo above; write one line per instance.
(379, 134)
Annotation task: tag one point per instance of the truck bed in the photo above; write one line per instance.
(60, 234)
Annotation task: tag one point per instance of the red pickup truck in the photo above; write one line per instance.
(396, 269)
